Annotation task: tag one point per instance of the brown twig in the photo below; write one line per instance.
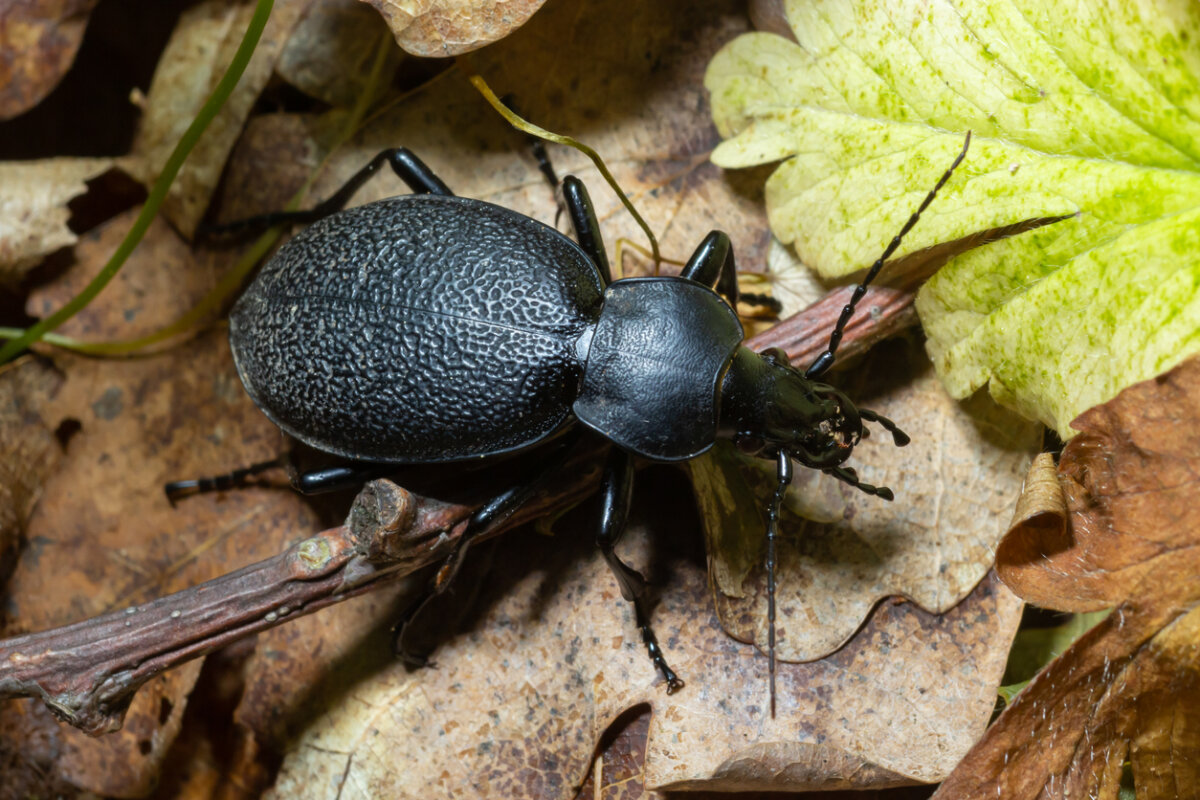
(88, 672)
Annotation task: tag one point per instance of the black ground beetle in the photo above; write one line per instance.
(433, 328)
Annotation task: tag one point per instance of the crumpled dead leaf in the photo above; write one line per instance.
(438, 28)
(1129, 689)
(200, 48)
(847, 550)
(103, 534)
(38, 42)
(33, 209)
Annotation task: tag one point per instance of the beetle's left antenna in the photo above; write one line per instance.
(825, 360)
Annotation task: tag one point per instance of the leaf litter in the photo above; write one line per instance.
(648, 120)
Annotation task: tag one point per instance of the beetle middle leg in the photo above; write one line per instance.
(410, 169)
(487, 516)
(615, 494)
(587, 227)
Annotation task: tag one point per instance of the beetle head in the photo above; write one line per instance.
(770, 406)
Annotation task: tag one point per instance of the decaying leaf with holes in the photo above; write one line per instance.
(200, 48)
(1125, 533)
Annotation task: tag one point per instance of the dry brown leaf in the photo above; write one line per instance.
(518, 701)
(1128, 690)
(438, 28)
(30, 448)
(330, 55)
(38, 42)
(103, 534)
(33, 209)
(200, 48)
(954, 486)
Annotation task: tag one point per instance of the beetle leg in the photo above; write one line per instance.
(344, 476)
(712, 264)
(615, 494)
(784, 475)
(494, 511)
(486, 517)
(587, 227)
(410, 169)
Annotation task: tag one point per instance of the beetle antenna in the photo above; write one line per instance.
(825, 360)
(847, 475)
(898, 436)
(785, 477)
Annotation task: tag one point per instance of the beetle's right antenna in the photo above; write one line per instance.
(825, 360)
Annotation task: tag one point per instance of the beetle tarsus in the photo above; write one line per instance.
(237, 479)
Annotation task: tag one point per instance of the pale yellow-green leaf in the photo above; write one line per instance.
(1086, 110)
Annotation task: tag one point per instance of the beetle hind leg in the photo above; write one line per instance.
(616, 492)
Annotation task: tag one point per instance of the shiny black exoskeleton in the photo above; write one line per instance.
(433, 328)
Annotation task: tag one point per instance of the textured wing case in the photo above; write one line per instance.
(418, 329)
(654, 369)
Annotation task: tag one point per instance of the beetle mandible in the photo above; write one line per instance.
(434, 328)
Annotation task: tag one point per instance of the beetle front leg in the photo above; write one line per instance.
(410, 169)
(615, 494)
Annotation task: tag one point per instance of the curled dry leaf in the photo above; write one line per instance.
(1128, 690)
(438, 28)
(33, 209)
(200, 49)
(38, 42)
(103, 535)
(846, 550)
